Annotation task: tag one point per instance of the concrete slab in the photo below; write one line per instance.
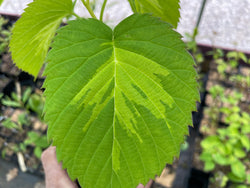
(22, 180)
(225, 23)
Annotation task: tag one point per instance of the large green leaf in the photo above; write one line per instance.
(1, 1)
(33, 32)
(118, 102)
(167, 10)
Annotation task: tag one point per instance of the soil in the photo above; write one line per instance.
(8, 68)
(10, 76)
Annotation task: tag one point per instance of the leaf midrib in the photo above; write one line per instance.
(115, 62)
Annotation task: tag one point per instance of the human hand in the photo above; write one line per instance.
(56, 177)
(147, 186)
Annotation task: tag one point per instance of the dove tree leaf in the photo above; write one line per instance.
(167, 10)
(33, 32)
(118, 102)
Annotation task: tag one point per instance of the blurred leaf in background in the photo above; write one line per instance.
(4, 35)
(38, 141)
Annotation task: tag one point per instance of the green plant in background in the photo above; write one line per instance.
(39, 142)
(34, 139)
(36, 104)
(10, 124)
(234, 57)
(16, 100)
(221, 66)
(218, 94)
(216, 53)
(26, 104)
(231, 62)
(22, 120)
(4, 35)
(241, 80)
(118, 102)
(194, 49)
(231, 145)
(229, 68)
(31, 102)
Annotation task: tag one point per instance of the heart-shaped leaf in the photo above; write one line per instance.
(118, 102)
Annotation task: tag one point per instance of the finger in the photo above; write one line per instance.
(55, 176)
(149, 184)
(140, 186)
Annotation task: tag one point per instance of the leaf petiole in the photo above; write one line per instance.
(102, 10)
(86, 4)
(76, 15)
(74, 3)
